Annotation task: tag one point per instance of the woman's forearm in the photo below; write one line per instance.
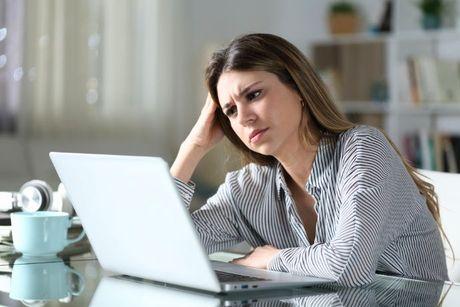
(187, 160)
(205, 134)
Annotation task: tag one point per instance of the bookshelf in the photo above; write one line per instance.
(406, 82)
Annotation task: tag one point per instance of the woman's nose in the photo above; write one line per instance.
(246, 115)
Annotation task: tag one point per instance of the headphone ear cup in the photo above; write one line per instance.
(61, 201)
(35, 195)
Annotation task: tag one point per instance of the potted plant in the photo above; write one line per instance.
(343, 18)
(431, 13)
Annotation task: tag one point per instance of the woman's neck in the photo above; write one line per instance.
(298, 165)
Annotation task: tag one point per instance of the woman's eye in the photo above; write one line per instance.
(254, 95)
(230, 111)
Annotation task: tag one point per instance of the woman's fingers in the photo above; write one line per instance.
(206, 132)
(209, 108)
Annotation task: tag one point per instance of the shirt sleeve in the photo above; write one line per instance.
(370, 190)
(216, 221)
(186, 191)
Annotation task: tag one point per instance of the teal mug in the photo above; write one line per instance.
(44, 279)
(41, 233)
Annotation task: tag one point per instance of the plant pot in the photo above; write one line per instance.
(430, 21)
(340, 23)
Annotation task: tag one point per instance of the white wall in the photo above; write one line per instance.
(207, 24)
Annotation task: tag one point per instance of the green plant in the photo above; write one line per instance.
(431, 7)
(342, 7)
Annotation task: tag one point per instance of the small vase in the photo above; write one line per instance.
(431, 22)
(343, 23)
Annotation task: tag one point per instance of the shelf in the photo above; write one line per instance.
(405, 35)
(372, 107)
(349, 38)
(364, 107)
(427, 34)
(363, 66)
(447, 108)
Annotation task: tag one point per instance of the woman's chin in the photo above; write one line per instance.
(263, 150)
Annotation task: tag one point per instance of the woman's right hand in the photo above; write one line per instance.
(207, 132)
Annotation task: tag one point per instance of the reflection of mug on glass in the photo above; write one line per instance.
(42, 279)
(42, 233)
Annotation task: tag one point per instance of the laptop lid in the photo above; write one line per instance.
(126, 205)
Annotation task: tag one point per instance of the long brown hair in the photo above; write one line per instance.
(271, 53)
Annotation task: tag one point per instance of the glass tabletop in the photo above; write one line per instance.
(80, 281)
(78, 251)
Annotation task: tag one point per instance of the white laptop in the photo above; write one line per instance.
(138, 225)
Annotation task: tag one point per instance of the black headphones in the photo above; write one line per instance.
(36, 195)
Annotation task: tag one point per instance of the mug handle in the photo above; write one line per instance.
(80, 236)
(81, 282)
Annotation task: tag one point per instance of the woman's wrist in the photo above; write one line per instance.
(187, 160)
(191, 147)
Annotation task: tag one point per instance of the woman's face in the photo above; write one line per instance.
(263, 112)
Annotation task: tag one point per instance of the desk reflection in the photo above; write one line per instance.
(35, 281)
(386, 291)
(51, 282)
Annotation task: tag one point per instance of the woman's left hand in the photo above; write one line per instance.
(259, 257)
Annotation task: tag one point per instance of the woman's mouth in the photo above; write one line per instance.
(256, 135)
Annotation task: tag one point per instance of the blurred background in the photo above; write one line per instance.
(126, 76)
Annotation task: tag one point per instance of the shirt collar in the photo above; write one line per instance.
(318, 176)
(280, 182)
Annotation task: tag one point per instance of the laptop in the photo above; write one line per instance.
(138, 225)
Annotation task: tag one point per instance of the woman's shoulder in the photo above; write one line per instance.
(365, 144)
(367, 149)
(363, 137)
(361, 132)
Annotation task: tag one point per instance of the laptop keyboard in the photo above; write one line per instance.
(231, 277)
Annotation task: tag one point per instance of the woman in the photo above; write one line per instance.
(319, 195)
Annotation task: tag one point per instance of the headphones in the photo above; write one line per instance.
(36, 195)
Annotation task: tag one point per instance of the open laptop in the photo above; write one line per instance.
(138, 225)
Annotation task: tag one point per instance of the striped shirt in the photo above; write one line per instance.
(370, 214)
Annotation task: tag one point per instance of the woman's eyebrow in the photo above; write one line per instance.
(242, 92)
(247, 88)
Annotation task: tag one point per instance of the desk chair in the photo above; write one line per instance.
(447, 186)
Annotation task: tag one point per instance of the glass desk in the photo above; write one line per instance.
(78, 280)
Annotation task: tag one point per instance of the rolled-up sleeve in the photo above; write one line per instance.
(186, 191)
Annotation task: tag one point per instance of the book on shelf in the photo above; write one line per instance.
(427, 80)
(449, 79)
(413, 82)
(404, 84)
(451, 154)
(433, 151)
